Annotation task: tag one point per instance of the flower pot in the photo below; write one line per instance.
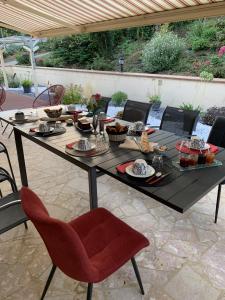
(26, 89)
(156, 106)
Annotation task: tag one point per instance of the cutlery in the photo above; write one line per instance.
(157, 175)
(134, 138)
(158, 179)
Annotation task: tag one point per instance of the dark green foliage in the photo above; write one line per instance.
(23, 58)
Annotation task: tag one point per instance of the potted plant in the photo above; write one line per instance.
(155, 101)
(26, 84)
(119, 98)
(190, 107)
(73, 96)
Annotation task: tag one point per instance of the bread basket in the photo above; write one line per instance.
(116, 136)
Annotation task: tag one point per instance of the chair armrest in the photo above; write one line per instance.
(9, 204)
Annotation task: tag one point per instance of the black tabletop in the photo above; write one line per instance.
(179, 191)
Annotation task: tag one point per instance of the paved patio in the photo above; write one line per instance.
(16, 101)
(184, 261)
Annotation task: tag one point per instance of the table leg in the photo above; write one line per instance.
(93, 195)
(20, 155)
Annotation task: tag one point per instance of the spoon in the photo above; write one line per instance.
(157, 175)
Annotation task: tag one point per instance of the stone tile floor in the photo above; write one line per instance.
(185, 261)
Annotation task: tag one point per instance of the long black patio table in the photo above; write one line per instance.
(181, 193)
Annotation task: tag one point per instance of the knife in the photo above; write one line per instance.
(158, 179)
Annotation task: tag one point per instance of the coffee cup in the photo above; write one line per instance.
(84, 144)
(43, 127)
(19, 116)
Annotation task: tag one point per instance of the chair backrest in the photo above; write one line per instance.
(104, 103)
(49, 97)
(179, 121)
(136, 111)
(217, 133)
(2, 96)
(63, 243)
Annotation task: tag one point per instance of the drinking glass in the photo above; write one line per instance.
(157, 162)
(95, 124)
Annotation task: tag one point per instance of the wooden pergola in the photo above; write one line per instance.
(45, 18)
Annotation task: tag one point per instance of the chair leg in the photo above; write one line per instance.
(51, 274)
(5, 128)
(10, 134)
(1, 123)
(136, 271)
(217, 203)
(10, 165)
(25, 224)
(89, 291)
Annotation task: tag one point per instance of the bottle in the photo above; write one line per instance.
(101, 122)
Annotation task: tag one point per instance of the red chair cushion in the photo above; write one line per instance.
(109, 242)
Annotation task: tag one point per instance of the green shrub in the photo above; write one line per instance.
(73, 94)
(23, 58)
(190, 106)
(13, 81)
(118, 98)
(202, 34)
(26, 83)
(206, 76)
(211, 114)
(155, 99)
(1, 77)
(162, 52)
(100, 63)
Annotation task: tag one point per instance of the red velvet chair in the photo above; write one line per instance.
(88, 248)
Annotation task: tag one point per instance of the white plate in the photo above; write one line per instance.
(75, 147)
(206, 147)
(150, 172)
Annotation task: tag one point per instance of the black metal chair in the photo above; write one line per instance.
(104, 104)
(217, 137)
(3, 149)
(136, 111)
(11, 212)
(179, 121)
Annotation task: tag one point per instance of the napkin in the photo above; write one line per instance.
(150, 130)
(122, 168)
(70, 145)
(129, 144)
(108, 120)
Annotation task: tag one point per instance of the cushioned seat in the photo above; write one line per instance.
(104, 237)
(88, 248)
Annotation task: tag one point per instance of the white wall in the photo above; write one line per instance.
(174, 90)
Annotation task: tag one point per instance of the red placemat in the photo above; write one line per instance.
(185, 149)
(122, 168)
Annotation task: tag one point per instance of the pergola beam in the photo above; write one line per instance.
(28, 9)
(13, 28)
(175, 15)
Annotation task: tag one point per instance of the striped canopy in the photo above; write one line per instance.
(44, 18)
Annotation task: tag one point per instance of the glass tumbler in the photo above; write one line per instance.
(157, 162)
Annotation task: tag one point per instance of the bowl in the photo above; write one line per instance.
(116, 136)
(53, 113)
